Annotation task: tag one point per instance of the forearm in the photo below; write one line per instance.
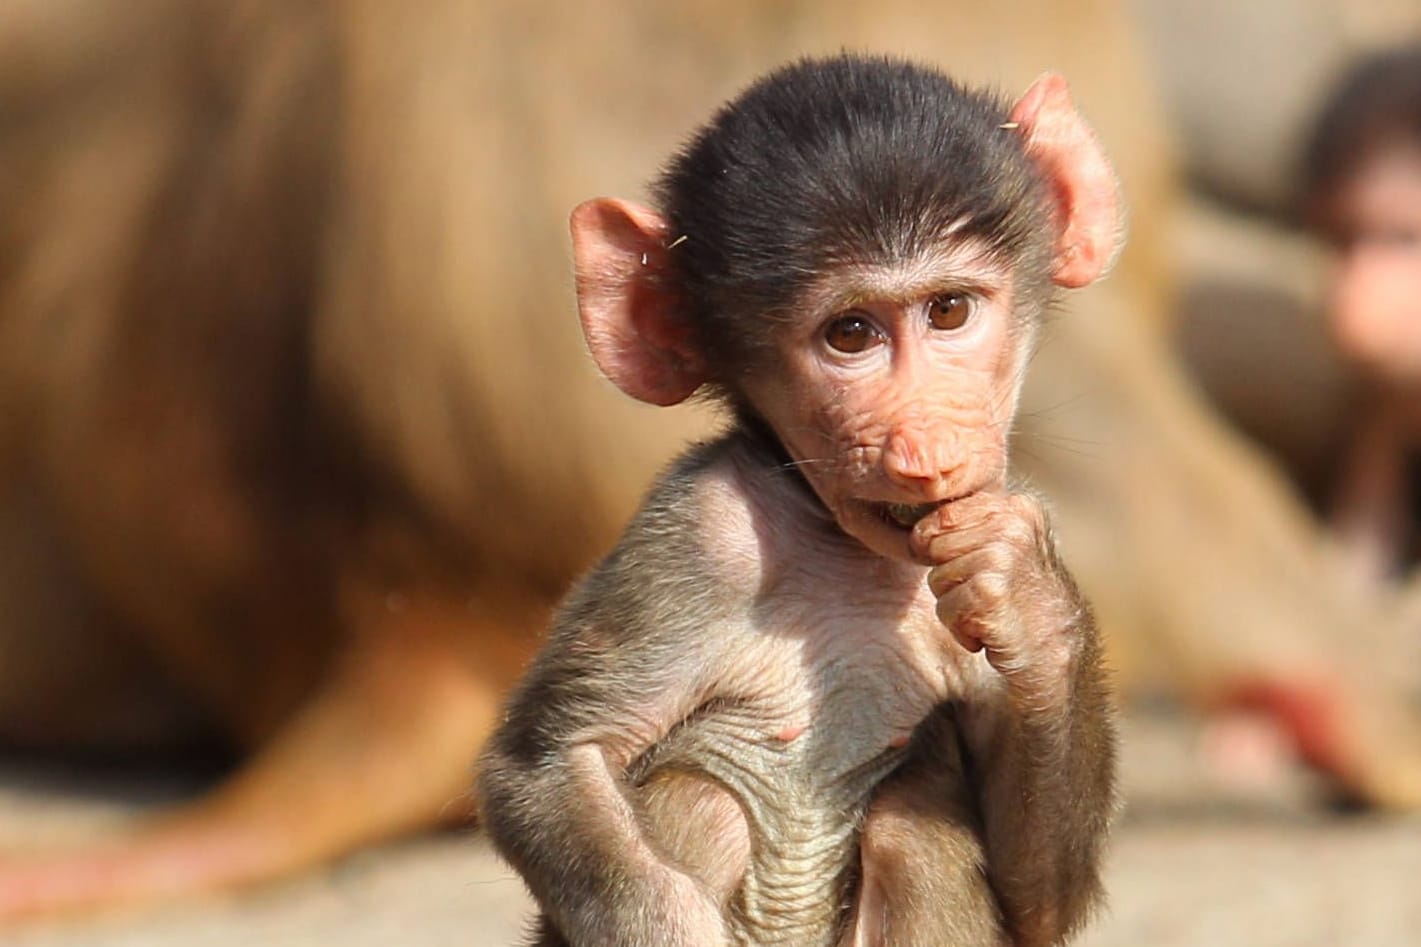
(1370, 504)
(1045, 768)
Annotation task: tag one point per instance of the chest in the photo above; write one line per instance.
(816, 705)
(832, 656)
(816, 698)
(843, 673)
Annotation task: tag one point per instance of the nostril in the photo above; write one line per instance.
(914, 461)
(902, 459)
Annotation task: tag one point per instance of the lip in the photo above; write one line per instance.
(902, 516)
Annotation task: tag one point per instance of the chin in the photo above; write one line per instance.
(877, 534)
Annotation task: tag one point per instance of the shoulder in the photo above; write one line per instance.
(700, 520)
(710, 529)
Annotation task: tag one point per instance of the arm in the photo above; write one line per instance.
(554, 801)
(1040, 733)
(1369, 509)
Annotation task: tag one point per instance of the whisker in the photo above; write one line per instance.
(1060, 438)
(1057, 407)
(789, 465)
(1059, 444)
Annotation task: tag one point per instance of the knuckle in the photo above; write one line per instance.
(998, 558)
(958, 602)
(990, 589)
(1031, 512)
(1020, 532)
(1025, 504)
(967, 510)
(972, 631)
(941, 580)
(945, 516)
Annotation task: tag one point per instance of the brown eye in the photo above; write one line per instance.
(950, 312)
(850, 334)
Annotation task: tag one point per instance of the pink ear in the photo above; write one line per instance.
(628, 311)
(1068, 154)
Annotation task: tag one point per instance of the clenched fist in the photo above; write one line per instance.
(1000, 586)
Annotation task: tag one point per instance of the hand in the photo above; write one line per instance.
(1001, 587)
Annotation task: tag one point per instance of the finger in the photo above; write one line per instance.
(933, 548)
(962, 512)
(963, 634)
(966, 609)
(951, 573)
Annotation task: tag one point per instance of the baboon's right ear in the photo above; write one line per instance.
(628, 313)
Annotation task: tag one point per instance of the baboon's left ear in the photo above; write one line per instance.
(1080, 178)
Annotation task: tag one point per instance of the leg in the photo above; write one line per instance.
(386, 747)
(923, 878)
(70, 679)
(699, 827)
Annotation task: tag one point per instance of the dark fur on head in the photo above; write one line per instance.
(1376, 105)
(850, 159)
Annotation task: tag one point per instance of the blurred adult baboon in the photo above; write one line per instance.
(298, 440)
(1362, 190)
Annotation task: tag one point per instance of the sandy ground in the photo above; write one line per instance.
(1197, 861)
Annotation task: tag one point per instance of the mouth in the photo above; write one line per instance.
(902, 515)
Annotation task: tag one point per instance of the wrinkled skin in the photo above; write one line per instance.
(919, 417)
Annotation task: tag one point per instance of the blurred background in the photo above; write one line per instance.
(298, 442)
